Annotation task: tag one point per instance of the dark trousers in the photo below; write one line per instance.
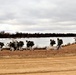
(58, 46)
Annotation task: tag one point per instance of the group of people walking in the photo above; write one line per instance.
(59, 42)
(17, 45)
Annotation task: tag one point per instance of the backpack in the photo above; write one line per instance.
(61, 41)
(53, 42)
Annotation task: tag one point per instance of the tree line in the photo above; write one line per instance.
(36, 35)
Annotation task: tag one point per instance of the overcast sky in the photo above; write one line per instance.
(33, 16)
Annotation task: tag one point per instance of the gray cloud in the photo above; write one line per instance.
(38, 15)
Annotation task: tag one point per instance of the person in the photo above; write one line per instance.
(52, 42)
(29, 44)
(75, 40)
(15, 43)
(60, 42)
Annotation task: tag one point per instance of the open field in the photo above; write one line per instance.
(39, 62)
(39, 66)
(64, 51)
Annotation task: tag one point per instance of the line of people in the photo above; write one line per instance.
(59, 42)
(17, 45)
